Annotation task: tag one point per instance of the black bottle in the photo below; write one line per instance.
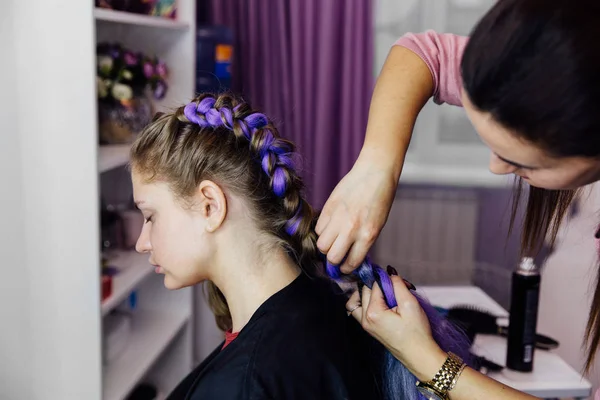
(525, 294)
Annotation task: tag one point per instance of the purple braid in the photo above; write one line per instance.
(444, 332)
(275, 155)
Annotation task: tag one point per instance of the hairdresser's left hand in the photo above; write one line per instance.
(403, 330)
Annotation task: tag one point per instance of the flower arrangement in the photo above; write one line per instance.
(123, 74)
(132, 6)
(125, 79)
(159, 8)
(165, 8)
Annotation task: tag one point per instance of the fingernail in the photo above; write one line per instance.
(391, 270)
(409, 285)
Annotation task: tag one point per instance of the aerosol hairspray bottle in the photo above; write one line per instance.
(525, 294)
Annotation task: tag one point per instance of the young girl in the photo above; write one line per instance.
(223, 203)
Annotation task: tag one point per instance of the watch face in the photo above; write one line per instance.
(428, 393)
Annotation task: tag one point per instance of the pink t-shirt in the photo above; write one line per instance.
(442, 52)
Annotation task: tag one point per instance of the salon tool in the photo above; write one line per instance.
(483, 322)
(484, 365)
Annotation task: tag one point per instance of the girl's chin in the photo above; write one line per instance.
(173, 284)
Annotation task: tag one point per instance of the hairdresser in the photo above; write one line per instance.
(528, 78)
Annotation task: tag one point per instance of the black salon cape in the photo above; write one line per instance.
(299, 345)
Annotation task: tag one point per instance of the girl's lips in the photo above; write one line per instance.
(158, 269)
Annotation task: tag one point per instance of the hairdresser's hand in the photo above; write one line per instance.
(355, 213)
(403, 330)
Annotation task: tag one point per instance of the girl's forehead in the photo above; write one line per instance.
(145, 192)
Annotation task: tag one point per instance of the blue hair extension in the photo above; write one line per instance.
(397, 379)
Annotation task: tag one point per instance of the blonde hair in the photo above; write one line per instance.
(221, 138)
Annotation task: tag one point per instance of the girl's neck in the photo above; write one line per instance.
(249, 275)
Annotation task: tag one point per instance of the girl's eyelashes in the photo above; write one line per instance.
(148, 219)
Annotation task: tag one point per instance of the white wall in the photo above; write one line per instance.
(14, 287)
(49, 237)
(567, 284)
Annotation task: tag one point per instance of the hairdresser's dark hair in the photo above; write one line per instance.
(219, 137)
(533, 65)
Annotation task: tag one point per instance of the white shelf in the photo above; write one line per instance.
(152, 332)
(112, 156)
(121, 17)
(134, 268)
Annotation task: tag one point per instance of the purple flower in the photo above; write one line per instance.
(130, 58)
(148, 69)
(160, 89)
(161, 69)
(115, 51)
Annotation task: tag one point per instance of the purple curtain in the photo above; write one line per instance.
(309, 65)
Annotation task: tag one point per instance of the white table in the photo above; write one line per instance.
(551, 376)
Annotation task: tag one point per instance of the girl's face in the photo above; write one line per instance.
(176, 237)
(512, 155)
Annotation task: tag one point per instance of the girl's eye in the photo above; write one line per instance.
(149, 219)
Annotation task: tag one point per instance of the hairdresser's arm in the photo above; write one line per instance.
(359, 205)
(418, 67)
(406, 333)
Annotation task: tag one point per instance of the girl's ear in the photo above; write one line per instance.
(213, 204)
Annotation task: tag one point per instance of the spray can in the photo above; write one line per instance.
(525, 294)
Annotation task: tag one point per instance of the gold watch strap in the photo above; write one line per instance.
(447, 376)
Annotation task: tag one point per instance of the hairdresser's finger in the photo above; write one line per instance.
(365, 298)
(324, 219)
(356, 255)
(377, 304)
(326, 239)
(401, 292)
(354, 306)
(338, 250)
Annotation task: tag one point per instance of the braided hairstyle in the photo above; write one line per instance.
(222, 139)
(219, 137)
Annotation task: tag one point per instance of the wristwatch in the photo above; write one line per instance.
(444, 380)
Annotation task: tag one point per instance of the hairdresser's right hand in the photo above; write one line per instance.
(404, 330)
(355, 213)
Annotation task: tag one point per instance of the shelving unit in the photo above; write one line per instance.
(134, 268)
(160, 346)
(112, 156)
(51, 200)
(151, 333)
(121, 17)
